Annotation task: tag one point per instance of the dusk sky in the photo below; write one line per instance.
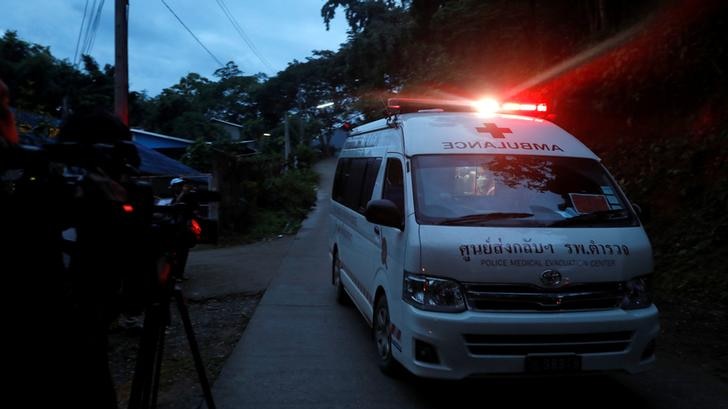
(161, 50)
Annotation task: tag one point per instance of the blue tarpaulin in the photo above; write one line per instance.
(154, 163)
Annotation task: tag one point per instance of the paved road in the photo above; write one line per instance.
(302, 350)
(234, 270)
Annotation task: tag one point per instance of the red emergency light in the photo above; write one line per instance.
(518, 107)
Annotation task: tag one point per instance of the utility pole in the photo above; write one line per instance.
(301, 138)
(301, 124)
(287, 142)
(121, 61)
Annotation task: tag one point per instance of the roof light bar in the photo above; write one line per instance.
(409, 105)
(485, 106)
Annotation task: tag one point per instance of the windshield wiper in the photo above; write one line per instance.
(599, 216)
(483, 217)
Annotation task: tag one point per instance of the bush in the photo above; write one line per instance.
(293, 192)
(306, 155)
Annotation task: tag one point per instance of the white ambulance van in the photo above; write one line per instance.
(485, 243)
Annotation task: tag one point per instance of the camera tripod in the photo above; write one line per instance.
(145, 384)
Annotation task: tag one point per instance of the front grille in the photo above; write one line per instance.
(591, 343)
(528, 297)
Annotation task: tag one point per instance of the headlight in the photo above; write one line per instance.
(433, 294)
(636, 293)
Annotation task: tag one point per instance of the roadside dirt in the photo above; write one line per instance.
(696, 335)
(218, 324)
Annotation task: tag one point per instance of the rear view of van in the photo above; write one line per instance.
(485, 243)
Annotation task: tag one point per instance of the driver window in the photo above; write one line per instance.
(394, 183)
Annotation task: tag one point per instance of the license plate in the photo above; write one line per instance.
(553, 364)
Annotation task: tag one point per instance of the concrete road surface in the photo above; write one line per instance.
(302, 350)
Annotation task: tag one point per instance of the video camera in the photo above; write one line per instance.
(92, 191)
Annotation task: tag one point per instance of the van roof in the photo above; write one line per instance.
(472, 133)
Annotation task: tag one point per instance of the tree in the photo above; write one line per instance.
(359, 13)
(41, 83)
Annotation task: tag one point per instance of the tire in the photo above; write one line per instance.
(383, 338)
(341, 296)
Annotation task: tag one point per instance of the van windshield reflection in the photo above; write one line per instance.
(516, 190)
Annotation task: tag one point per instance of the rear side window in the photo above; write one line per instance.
(342, 174)
(354, 182)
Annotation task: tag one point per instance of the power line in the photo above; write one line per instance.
(87, 31)
(243, 35)
(89, 28)
(192, 34)
(80, 32)
(95, 28)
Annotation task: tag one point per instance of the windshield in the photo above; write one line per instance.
(516, 190)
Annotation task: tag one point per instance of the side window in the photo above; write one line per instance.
(394, 183)
(342, 173)
(370, 177)
(353, 183)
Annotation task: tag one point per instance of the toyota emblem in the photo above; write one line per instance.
(551, 278)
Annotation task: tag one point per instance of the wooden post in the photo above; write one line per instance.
(121, 61)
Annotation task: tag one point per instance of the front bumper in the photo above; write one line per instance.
(479, 343)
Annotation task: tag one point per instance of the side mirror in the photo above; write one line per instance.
(637, 208)
(642, 214)
(384, 212)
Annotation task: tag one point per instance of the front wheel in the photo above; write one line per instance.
(383, 337)
(341, 296)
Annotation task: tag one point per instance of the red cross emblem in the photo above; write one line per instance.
(493, 130)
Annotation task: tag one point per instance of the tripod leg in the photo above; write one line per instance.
(146, 373)
(158, 365)
(184, 313)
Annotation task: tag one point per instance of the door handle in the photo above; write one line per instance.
(376, 230)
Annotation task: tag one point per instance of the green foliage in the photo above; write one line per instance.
(359, 13)
(39, 82)
(199, 155)
(306, 155)
(269, 223)
(304, 85)
(230, 70)
(656, 115)
(292, 192)
(682, 185)
(187, 108)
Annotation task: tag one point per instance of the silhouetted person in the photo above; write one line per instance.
(182, 196)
